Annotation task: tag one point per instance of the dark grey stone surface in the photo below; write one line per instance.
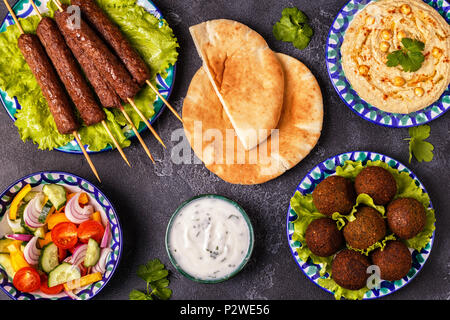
(146, 195)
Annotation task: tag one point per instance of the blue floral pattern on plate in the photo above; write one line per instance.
(23, 9)
(349, 95)
(307, 185)
(70, 180)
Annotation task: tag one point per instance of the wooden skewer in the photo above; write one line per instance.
(164, 100)
(36, 9)
(116, 143)
(136, 132)
(86, 155)
(146, 122)
(105, 125)
(58, 4)
(75, 133)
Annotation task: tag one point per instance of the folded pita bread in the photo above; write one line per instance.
(206, 125)
(246, 75)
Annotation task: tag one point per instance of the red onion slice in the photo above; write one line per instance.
(101, 264)
(32, 212)
(20, 237)
(75, 213)
(106, 236)
(31, 252)
(78, 255)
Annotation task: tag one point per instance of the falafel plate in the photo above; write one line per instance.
(360, 225)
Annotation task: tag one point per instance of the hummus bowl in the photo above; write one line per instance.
(353, 97)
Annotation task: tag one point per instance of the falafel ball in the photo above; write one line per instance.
(378, 183)
(406, 217)
(323, 237)
(368, 228)
(334, 194)
(394, 260)
(349, 269)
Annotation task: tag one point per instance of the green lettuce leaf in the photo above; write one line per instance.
(377, 245)
(306, 212)
(340, 292)
(96, 136)
(34, 122)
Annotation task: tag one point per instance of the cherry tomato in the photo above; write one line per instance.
(90, 229)
(27, 280)
(62, 254)
(64, 235)
(53, 290)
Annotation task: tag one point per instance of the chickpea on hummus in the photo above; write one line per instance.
(378, 31)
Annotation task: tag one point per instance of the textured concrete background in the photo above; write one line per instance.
(146, 195)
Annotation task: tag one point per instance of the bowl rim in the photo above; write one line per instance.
(119, 227)
(297, 189)
(247, 256)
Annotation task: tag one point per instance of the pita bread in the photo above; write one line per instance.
(246, 75)
(299, 128)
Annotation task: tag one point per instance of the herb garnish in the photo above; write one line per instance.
(155, 274)
(410, 57)
(422, 150)
(293, 27)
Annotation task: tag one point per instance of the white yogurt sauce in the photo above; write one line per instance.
(209, 238)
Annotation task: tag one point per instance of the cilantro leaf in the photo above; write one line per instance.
(293, 27)
(138, 295)
(152, 271)
(422, 150)
(413, 45)
(410, 57)
(155, 275)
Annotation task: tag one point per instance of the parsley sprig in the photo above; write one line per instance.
(155, 274)
(410, 57)
(422, 150)
(293, 27)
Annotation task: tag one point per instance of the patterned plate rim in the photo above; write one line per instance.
(158, 14)
(43, 174)
(351, 155)
(390, 115)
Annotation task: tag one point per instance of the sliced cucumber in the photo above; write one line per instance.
(40, 233)
(46, 210)
(63, 273)
(5, 262)
(23, 245)
(30, 195)
(48, 259)
(56, 194)
(4, 243)
(92, 254)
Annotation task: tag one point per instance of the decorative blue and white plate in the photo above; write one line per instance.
(349, 95)
(307, 186)
(24, 9)
(100, 203)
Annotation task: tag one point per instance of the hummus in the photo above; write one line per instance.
(377, 31)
